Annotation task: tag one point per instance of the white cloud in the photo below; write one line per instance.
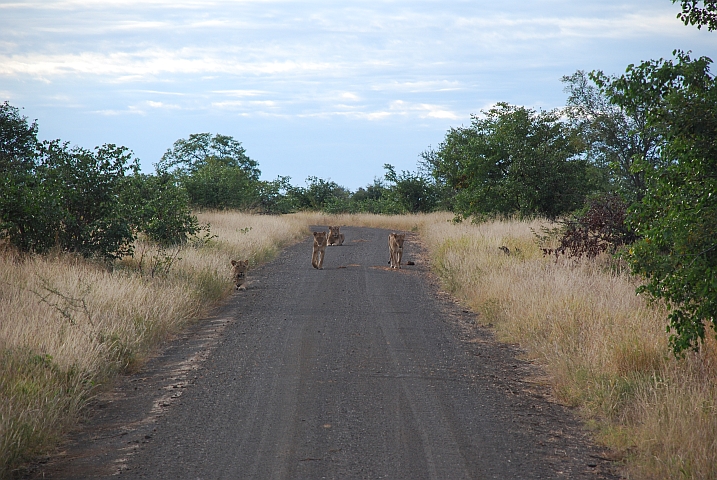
(74, 4)
(421, 86)
(160, 92)
(395, 109)
(422, 110)
(240, 93)
(527, 27)
(136, 66)
(131, 110)
(229, 104)
(169, 106)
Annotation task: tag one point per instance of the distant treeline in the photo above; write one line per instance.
(630, 161)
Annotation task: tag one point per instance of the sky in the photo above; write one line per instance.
(311, 88)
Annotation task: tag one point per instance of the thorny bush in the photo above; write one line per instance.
(600, 227)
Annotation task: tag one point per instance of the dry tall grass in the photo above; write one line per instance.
(604, 347)
(411, 222)
(68, 325)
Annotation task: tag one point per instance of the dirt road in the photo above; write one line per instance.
(353, 371)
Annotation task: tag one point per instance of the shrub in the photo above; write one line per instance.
(600, 227)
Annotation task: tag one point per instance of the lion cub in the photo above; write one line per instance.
(317, 256)
(335, 237)
(239, 270)
(395, 248)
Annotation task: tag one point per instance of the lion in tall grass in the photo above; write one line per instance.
(239, 269)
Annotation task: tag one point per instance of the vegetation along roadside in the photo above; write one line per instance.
(71, 324)
(586, 234)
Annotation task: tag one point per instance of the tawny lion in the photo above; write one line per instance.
(395, 248)
(335, 236)
(239, 270)
(317, 255)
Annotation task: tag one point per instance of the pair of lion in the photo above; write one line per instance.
(321, 241)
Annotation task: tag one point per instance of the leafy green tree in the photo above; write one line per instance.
(376, 197)
(20, 204)
(514, 161)
(18, 141)
(68, 199)
(372, 192)
(412, 191)
(614, 140)
(677, 218)
(91, 202)
(80, 190)
(190, 155)
(694, 14)
(318, 194)
(156, 206)
(214, 170)
(215, 185)
(273, 196)
(430, 166)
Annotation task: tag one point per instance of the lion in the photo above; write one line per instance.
(509, 252)
(317, 256)
(395, 248)
(239, 270)
(335, 237)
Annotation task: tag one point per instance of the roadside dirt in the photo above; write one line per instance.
(354, 371)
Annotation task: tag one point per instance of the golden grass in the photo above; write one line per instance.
(604, 348)
(411, 222)
(67, 326)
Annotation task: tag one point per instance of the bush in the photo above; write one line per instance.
(79, 191)
(156, 206)
(82, 201)
(600, 227)
(219, 186)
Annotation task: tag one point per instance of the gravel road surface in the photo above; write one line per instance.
(353, 371)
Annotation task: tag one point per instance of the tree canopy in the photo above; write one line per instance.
(513, 160)
(202, 149)
(700, 13)
(412, 191)
(90, 202)
(615, 137)
(677, 218)
(214, 170)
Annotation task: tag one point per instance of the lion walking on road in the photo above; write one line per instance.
(395, 249)
(317, 255)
